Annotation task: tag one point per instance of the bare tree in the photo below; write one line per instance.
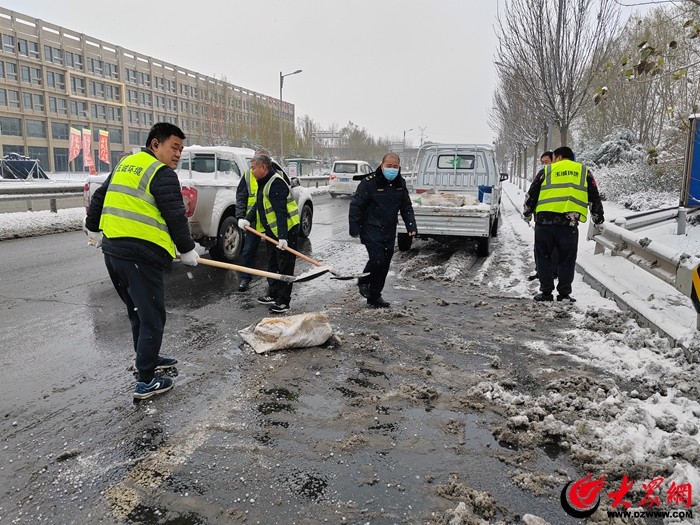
(555, 48)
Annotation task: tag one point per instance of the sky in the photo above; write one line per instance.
(385, 65)
(657, 428)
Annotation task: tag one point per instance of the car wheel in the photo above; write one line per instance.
(405, 241)
(306, 221)
(229, 241)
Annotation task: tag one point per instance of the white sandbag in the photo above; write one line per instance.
(450, 200)
(294, 331)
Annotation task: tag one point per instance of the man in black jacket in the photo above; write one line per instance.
(373, 216)
(560, 196)
(138, 217)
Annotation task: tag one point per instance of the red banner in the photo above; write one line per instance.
(88, 161)
(104, 146)
(74, 144)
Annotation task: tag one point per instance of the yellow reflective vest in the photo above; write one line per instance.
(252, 184)
(564, 189)
(129, 208)
(270, 217)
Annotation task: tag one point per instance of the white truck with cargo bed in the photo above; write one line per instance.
(455, 192)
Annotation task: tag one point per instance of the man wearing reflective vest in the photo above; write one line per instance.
(275, 213)
(560, 196)
(138, 217)
(245, 200)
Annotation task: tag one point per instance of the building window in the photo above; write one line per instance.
(53, 54)
(58, 106)
(11, 71)
(74, 60)
(132, 95)
(97, 89)
(38, 102)
(8, 43)
(59, 130)
(56, 80)
(3, 97)
(11, 126)
(27, 100)
(41, 154)
(78, 108)
(98, 112)
(13, 98)
(115, 135)
(22, 47)
(36, 128)
(60, 159)
(33, 49)
(77, 85)
(134, 136)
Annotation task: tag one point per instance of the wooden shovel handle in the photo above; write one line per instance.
(244, 269)
(290, 250)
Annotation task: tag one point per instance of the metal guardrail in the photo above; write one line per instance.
(675, 268)
(32, 191)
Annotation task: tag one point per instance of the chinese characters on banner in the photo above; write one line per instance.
(74, 144)
(104, 146)
(88, 160)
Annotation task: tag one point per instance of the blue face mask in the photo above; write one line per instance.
(390, 173)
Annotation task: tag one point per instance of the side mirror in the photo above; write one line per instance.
(504, 176)
(295, 182)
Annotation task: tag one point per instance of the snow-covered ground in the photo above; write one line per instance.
(647, 433)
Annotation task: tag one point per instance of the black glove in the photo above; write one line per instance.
(598, 219)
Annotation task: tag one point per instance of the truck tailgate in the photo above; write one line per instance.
(465, 221)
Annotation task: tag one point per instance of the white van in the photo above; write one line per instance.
(340, 181)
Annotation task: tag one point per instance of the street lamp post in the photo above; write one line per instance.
(281, 127)
(404, 140)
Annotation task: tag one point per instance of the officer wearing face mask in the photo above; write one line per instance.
(374, 210)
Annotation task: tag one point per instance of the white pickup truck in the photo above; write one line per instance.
(209, 178)
(456, 192)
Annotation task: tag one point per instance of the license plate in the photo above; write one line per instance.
(344, 179)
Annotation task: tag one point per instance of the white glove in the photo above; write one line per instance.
(201, 250)
(189, 258)
(94, 238)
(242, 223)
(282, 244)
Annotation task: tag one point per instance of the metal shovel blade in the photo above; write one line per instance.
(348, 277)
(311, 274)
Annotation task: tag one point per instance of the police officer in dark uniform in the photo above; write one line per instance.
(374, 210)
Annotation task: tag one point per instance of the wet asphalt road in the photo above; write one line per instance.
(339, 434)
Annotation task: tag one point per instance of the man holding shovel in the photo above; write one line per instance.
(275, 213)
(373, 216)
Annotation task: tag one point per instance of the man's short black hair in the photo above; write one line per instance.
(564, 152)
(162, 131)
(391, 154)
(548, 154)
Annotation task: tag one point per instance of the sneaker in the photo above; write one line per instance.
(266, 299)
(163, 363)
(158, 385)
(566, 298)
(364, 289)
(378, 303)
(542, 296)
(243, 286)
(278, 308)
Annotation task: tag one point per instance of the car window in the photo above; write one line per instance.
(345, 167)
(460, 162)
(203, 163)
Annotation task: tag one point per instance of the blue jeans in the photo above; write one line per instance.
(249, 253)
(140, 285)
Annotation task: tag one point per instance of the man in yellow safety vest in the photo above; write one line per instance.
(560, 196)
(138, 218)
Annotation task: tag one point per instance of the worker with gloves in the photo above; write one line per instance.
(276, 214)
(138, 218)
(560, 196)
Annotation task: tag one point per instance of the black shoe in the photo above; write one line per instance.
(533, 277)
(266, 299)
(543, 297)
(243, 286)
(566, 298)
(364, 289)
(378, 303)
(158, 385)
(278, 308)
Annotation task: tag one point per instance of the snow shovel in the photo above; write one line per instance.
(307, 276)
(308, 259)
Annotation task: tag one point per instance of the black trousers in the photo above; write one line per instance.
(549, 237)
(380, 254)
(140, 286)
(251, 242)
(282, 261)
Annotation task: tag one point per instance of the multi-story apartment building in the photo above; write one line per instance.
(53, 79)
